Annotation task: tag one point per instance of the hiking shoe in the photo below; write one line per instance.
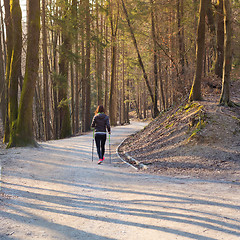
(100, 161)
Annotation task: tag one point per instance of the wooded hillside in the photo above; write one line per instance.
(128, 55)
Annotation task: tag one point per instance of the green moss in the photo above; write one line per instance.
(169, 125)
(235, 118)
(190, 105)
(200, 118)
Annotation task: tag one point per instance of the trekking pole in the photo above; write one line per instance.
(109, 148)
(92, 145)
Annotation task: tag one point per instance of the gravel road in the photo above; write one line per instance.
(57, 192)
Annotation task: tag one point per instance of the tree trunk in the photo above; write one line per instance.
(113, 84)
(38, 121)
(113, 88)
(211, 24)
(161, 94)
(55, 94)
(106, 98)
(77, 65)
(65, 122)
(195, 93)
(220, 40)
(45, 75)
(23, 135)
(227, 64)
(99, 53)
(127, 101)
(171, 80)
(123, 120)
(180, 37)
(72, 97)
(2, 81)
(88, 69)
(83, 65)
(155, 65)
(3, 37)
(15, 66)
(83, 80)
(161, 85)
(9, 32)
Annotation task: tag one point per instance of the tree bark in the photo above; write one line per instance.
(155, 65)
(77, 65)
(106, 98)
(161, 85)
(3, 38)
(113, 90)
(88, 68)
(195, 93)
(2, 79)
(55, 94)
(9, 32)
(99, 52)
(227, 64)
(15, 65)
(123, 120)
(180, 37)
(65, 122)
(113, 84)
(220, 40)
(83, 64)
(45, 75)
(212, 30)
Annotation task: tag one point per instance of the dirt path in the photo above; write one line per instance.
(56, 192)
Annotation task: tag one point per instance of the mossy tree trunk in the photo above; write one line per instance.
(227, 64)
(23, 135)
(195, 93)
(15, 66)
(14, 63)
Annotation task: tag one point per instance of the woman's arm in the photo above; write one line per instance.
(108, 125)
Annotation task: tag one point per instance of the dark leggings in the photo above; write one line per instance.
(100, 143)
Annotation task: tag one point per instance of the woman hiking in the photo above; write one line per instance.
(101, 122)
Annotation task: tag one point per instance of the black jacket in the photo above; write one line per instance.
(100, 122)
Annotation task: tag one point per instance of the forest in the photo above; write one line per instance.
(132, 56)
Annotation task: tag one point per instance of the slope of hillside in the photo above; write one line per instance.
(200, 140)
